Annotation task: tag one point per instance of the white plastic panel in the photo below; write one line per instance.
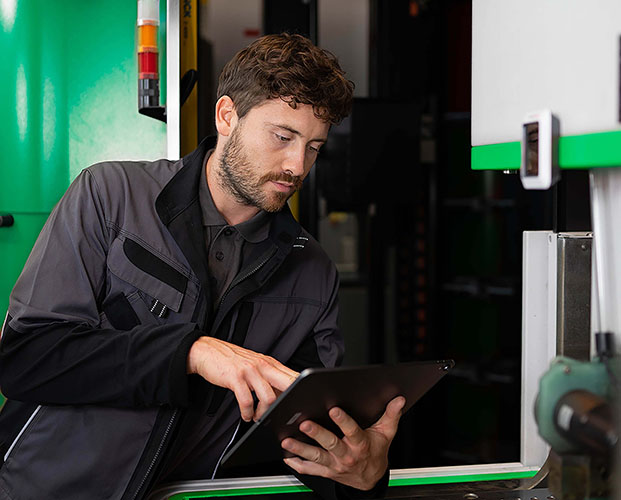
(538, 334)
(535, 54)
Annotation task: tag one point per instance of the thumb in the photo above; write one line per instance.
(389, 421)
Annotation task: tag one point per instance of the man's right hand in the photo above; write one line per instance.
(242, 371)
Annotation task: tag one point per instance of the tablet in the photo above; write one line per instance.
(362, 392)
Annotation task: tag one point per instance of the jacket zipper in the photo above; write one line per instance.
(157, 454)
(159, 450)
(170, 423)
(23, 429)
(236, 281)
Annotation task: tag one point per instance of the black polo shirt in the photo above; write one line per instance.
(227, 246)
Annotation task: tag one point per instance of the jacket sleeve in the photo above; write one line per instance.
(324, 345)
(52, 349)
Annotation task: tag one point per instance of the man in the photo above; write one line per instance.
(121, 354)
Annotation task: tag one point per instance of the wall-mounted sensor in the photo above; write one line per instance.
(539, 168)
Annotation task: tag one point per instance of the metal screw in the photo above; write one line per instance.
(471, 496)
(567, 370)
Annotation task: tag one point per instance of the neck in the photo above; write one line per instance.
(231, 209)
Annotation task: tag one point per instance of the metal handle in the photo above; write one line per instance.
(6, 220)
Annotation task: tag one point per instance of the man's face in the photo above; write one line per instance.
(270, 152)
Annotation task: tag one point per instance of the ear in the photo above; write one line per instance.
(226, 116)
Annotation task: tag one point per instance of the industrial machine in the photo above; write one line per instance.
(527, 50)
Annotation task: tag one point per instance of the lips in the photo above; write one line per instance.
(283, 187)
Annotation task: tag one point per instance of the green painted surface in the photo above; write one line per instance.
(505, 156)
(33, 108)
(104, 122)
(602, 149)
(68, 98)
(394, 482)
(463, 479)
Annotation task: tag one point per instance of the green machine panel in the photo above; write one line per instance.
(524, 56)
(601, 149)
(68, 98)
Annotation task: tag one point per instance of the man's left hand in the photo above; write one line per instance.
(359, 459)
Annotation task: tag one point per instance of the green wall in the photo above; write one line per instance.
(68, 98)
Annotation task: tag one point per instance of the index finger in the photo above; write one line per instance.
(350, 428)
(278, 375)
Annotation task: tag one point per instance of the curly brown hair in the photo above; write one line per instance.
(291, 68)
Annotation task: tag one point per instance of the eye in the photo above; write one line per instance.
(314, 149)
(282, 138)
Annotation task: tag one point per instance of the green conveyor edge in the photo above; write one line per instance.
(394, 482)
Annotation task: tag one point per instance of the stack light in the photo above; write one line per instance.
(148, 54)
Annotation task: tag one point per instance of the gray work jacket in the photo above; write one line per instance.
(101, 320)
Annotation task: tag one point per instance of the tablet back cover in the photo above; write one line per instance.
(362, 392)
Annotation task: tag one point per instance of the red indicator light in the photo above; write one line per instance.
(148, 63)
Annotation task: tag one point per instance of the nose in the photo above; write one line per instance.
(295, 162)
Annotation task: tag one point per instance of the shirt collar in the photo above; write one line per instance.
(253, 230)
(257, 228)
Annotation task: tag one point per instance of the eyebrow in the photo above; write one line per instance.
(298, 133)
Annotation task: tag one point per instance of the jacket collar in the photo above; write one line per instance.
(182, 190)
(179, 210)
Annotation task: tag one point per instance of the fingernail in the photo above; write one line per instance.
(336, 413)
(305, 427)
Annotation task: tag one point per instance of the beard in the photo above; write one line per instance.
(242, 179)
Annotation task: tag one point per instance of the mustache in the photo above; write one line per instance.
(296, 180)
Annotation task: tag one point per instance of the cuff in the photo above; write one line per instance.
(178, 374)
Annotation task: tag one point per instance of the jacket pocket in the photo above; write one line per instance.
(23, 431)
(160, 286)
(70, 452)
(119, 313)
